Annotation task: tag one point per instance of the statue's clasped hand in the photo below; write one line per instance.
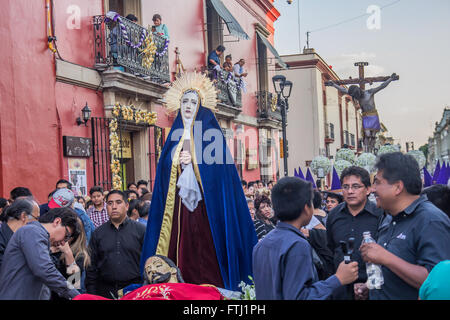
(185, 157)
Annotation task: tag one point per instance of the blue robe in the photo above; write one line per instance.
(229, 217)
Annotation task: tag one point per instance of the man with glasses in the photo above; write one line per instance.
(21, 212)
(27, 271)
(349, 220)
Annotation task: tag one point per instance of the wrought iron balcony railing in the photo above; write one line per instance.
(267, 105)
(122, 46)
(229, 89)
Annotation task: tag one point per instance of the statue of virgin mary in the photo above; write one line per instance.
(199, 216)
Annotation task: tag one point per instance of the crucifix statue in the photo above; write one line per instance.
(366, 100)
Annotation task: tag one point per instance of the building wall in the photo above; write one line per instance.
(74, 29)
(333, 116)
(303, 130)
(38, 109)
(439, 144)
(312, 106)
(29, 123)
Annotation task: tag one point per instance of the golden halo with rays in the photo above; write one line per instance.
(191, 81)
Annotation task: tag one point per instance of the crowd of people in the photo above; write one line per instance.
(93, 244)
(62, 248)
(410, 227)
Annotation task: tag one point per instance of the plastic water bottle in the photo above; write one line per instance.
(374, 275)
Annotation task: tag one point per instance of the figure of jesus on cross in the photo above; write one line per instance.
(365, 99)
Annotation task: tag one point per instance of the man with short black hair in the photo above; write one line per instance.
(132, 17)
(115, 250)
(28, 272)
(132, 186)
(63, 184)
(141, 184)
(214, 58)
(19, 192)
(283, 266)
(143, 208)
(97, 213)
(132, 195)
(439, 195)
(349, 220)
(415, 239)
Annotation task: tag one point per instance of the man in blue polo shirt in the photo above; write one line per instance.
(416, 239)
(214, 58)
(283, 267)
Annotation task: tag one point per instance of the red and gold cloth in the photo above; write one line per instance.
(166, 291)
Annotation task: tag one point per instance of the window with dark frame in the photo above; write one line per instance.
(263, 70)
(214, 27)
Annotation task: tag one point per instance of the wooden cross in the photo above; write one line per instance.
(361, 80)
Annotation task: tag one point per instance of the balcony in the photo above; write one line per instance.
(119, 48)
(229, 93)
(268, 110)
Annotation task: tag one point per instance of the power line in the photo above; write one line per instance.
(352, 19)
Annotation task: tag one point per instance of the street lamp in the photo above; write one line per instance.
(283, 87)
(278, 83)
(86, 114)
(287, 88)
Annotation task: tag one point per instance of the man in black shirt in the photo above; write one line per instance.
(115, 250)
(350, 219)
(418, 235)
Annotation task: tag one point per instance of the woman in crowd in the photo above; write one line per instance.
(250, 191)
(133, 212)
(72, 258)
(264, 214)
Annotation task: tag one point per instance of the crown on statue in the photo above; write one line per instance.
(189, 81)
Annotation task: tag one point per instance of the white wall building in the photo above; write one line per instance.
(321, 120)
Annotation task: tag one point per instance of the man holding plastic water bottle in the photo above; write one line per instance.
(415, 240)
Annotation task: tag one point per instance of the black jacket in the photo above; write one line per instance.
(5, 235)
(318, 241)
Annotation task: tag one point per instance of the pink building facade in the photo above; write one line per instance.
(43, 92)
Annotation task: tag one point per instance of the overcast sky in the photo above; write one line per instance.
(413, 40)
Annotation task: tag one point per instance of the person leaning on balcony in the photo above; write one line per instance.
(132, 17)
(214, 58)
(238, 69)
(239, 74)
(228, 65)
(160, 28)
